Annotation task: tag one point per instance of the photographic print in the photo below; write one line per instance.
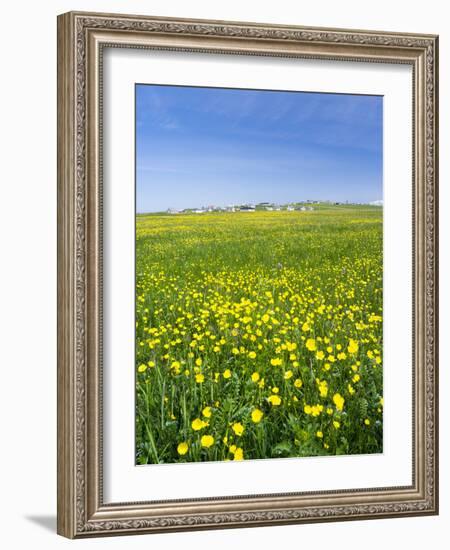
(247, 274)
(259, 274)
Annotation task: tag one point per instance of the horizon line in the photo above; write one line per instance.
(308, 202)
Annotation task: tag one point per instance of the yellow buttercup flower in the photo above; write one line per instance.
(252, 354)
(352, 346)
(255, 377)
(319, 434)
(339, 401)
(276, 362)
(142, 368)
(274, 400)
(288, 374)
(257, 415)
(206, 412)
(198, 362)
(298, 383)
(207, 441)
(227, 373)
(198, 424)
(239, 454)
(311, 344)
(323, 387)
(199, 378)
(182, 448)
(238, 428)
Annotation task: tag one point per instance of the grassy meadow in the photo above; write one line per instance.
(259, 335)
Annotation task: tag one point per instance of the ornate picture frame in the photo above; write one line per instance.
(82, 39)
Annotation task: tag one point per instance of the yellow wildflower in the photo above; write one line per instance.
(274, 400)
(207, 412)
(257, 415)
(207, 441)
(239, 454)
(182, 448)
(352, 346)
(238, 428)
(311, 344)
(339, 401)
(255, 377)
(198, 424)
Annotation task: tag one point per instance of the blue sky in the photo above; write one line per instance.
(215, 146)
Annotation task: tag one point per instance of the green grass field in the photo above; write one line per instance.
(259, 335)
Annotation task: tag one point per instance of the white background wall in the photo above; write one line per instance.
(28, 270)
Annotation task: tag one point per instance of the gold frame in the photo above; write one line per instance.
(81, 38)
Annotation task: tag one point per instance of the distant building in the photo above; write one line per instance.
(172, 211)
